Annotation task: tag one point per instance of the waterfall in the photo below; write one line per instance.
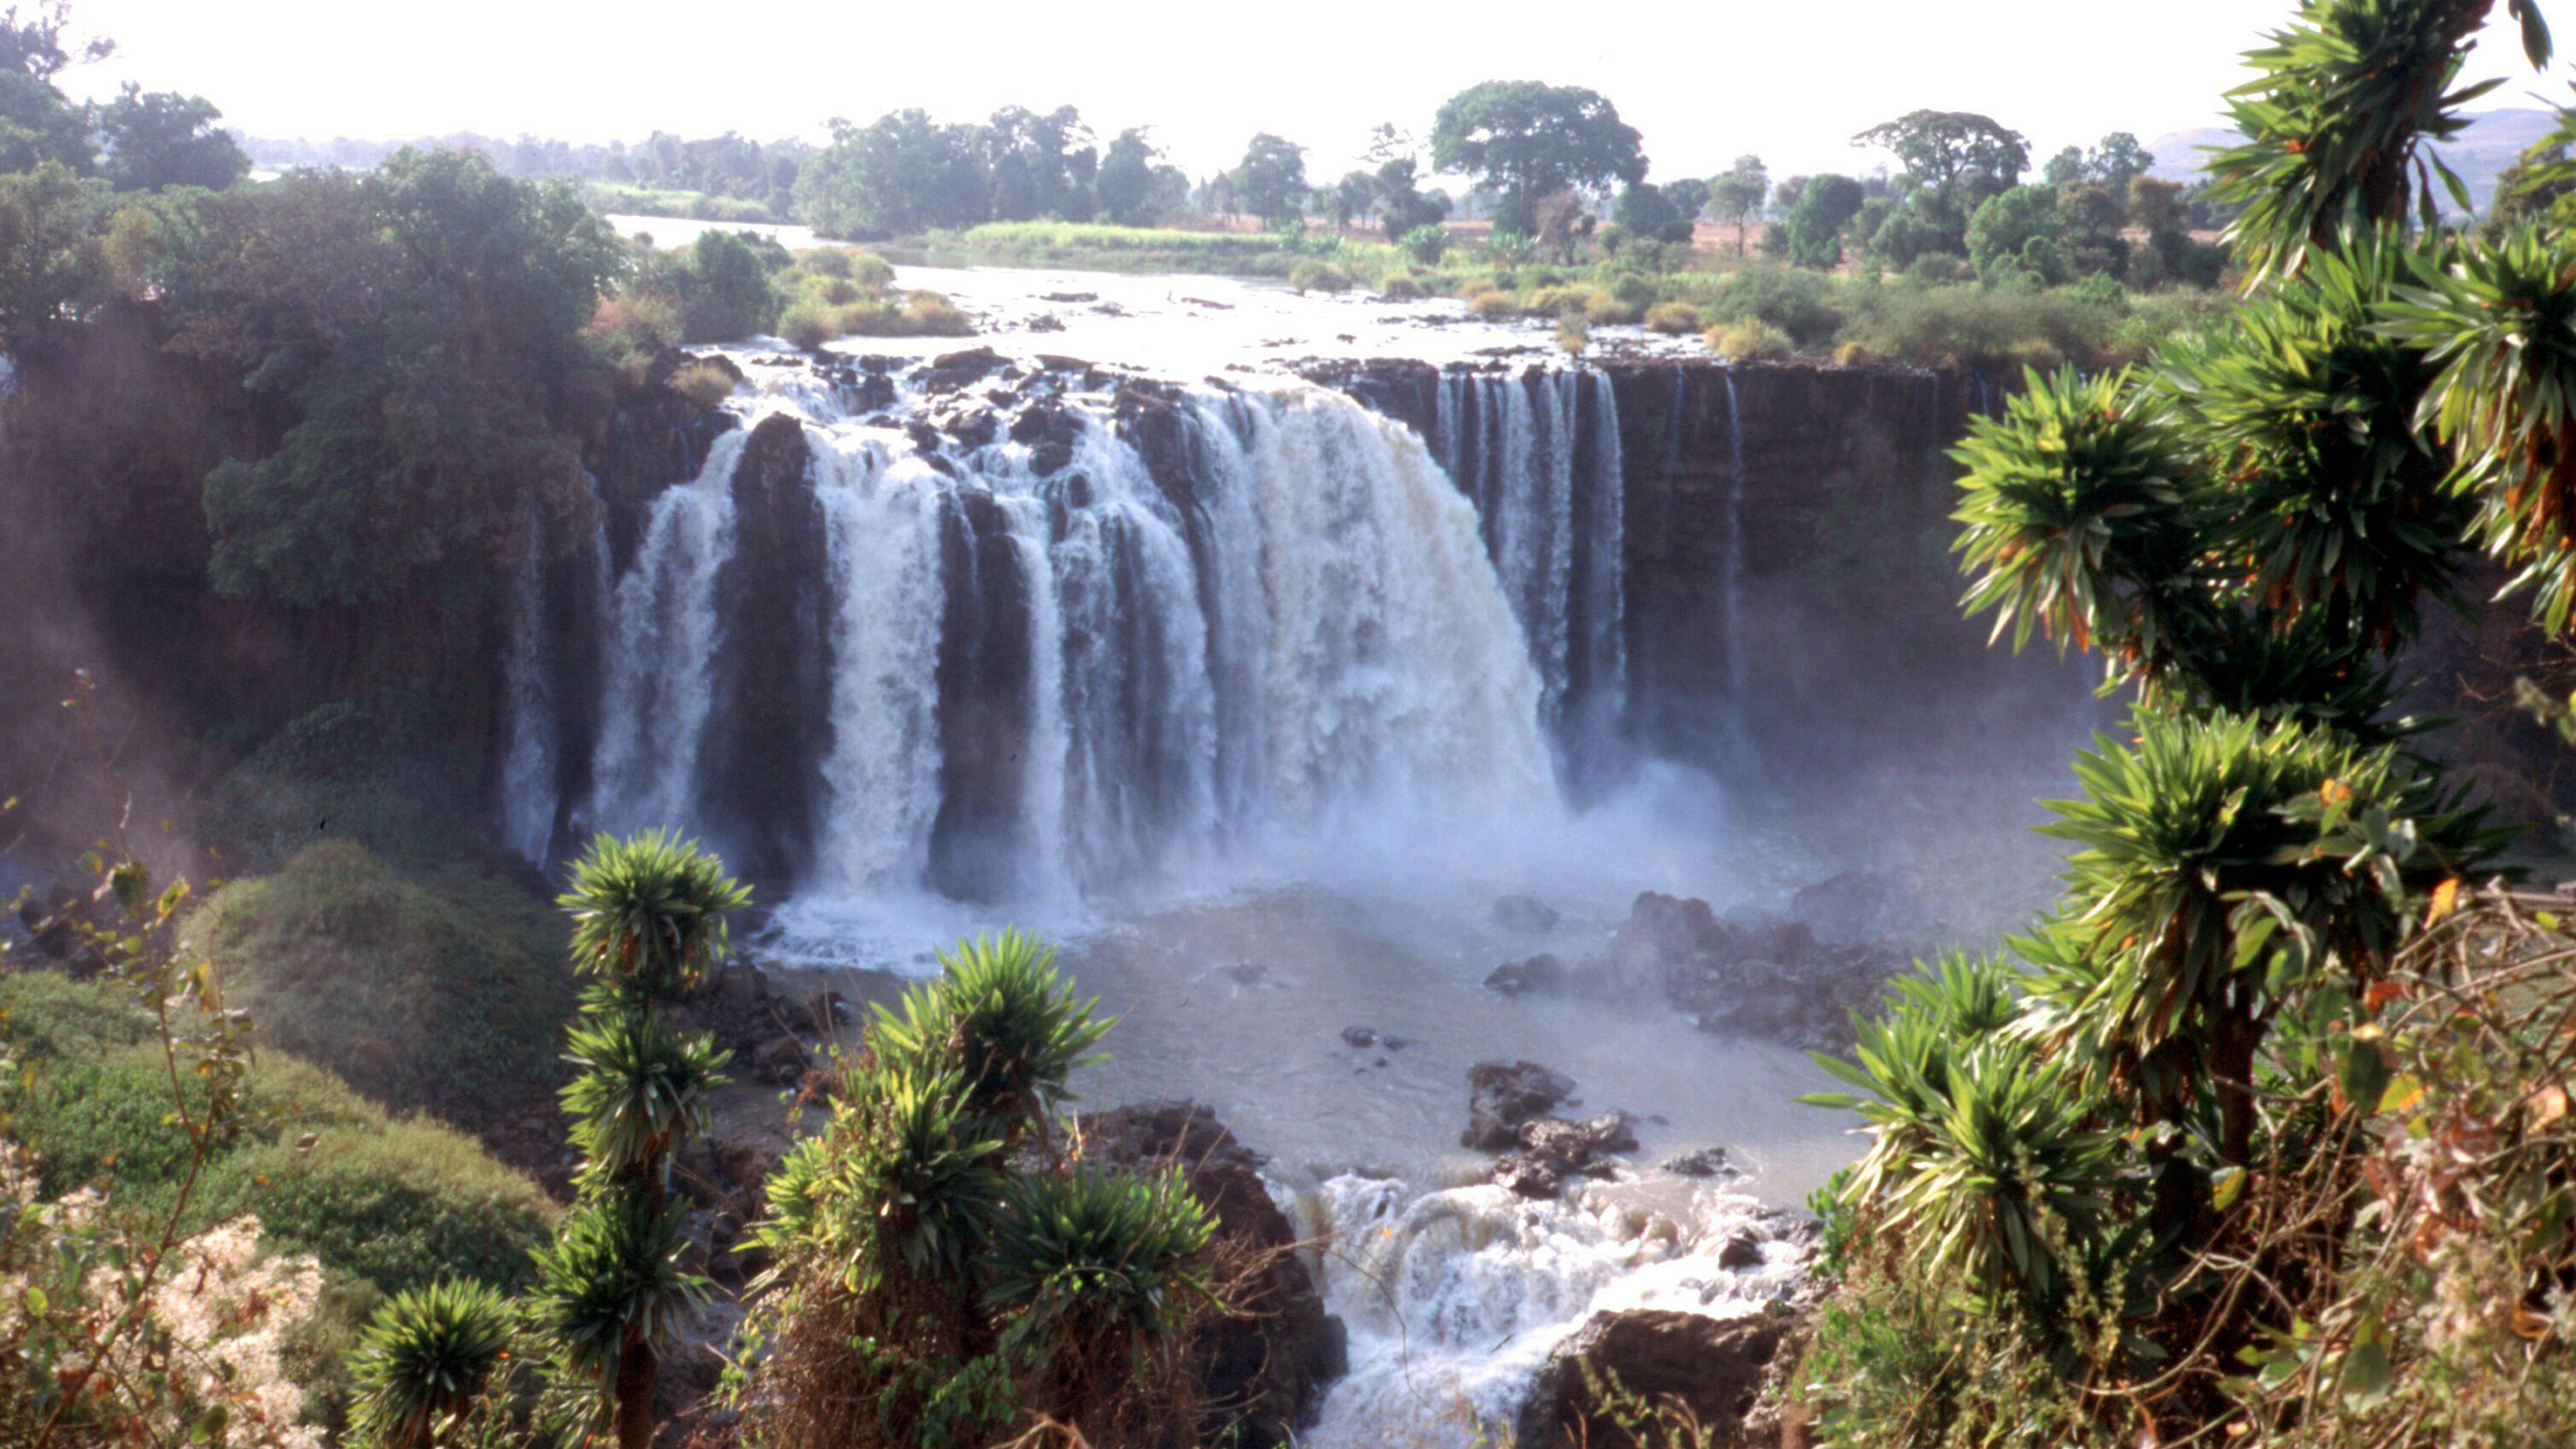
(528, 760)
(1733, 592)
(1050, 671)
(1538, 455)
(663, 632)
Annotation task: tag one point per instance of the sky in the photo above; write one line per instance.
(1704, 80)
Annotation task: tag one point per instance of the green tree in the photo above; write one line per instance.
(50, 260)
(1041, 165)
(2019, 231)
(1689, 196)
(1953, 161)
(2117, 161)
(1135, 186)
(1403, 207)
(398, 479)
(1272, 179)
(2067, 165)
(159, 138)
(648, 924)
(901, 173)
(1350, 198)
(1649, 215)
(1530, 141)
(1736, 195)
(1812, 233)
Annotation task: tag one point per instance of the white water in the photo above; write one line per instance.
(1455, 1298)
(529, 753)
(662, 641)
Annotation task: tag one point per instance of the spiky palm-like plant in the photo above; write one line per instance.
(649, 921)
(427, 1361)
(649, 911)
(1102, 1265)
(1005, 1017)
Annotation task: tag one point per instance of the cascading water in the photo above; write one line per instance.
(1055, 670)
(1538, 454)
(1733, 592)
(529, 760)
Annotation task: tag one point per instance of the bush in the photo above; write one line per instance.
(1493, 304)
(1311, 275)
(1606, 309)
(1751, 341)
(703, 383)
(1798, 303)
(1673, 319)
(809, 324)
(1426, 244)
(446, 986)
(1562, 300)
(401, 1204)
(1402, 287)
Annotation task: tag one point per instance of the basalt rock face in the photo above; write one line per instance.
(764, 756)
(1261, 1372)
(1708, 1371)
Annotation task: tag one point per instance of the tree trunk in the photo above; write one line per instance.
(636, 1370)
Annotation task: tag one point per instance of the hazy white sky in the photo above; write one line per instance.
(1704, 81)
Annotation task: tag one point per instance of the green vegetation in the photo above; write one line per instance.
(943, 1267)
(2259, 1135)
(623, 200)
(1531, 142)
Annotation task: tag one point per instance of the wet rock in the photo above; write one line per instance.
(1359, 1036)
(1526, 914)
(952, 370)
(1553, 1150)
(1065, 298)
(1859, 906)
(1538, 973)
(1706, 1162)
(1260, 1374)
(1055, 363)
(1394, 1043)
(1246, 973)
(1744, 1250)
(1780, 983)
(1501, 1098)
(1707, 1371)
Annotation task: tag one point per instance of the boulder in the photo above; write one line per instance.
(1542, 973)
(1358, 1036)
(1260, 1374)
(1706, 1162)
(1553, 1149)
(1500, 1099)
(1698, 1370)
(1525, 914)
(1778, 982)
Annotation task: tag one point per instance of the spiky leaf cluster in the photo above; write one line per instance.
(1102, 1255)
(649, 911)
(641, 1087)
(427, 1359)
(612, 1277)
(1005, 1017)
(2499, 323)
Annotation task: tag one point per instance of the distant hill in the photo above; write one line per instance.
(2492, 142)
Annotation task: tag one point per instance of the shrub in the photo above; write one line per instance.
(1493, 304)
(1605, 309)
(1750, 341)
(1560, 299)
(1674, 319)
(629, 326)
(809, 325)
(1003, 1010)
(1476, 286)
(1797, 303)
(1402, 287)
(444, 986)
(1573, 334)
(703, 383)
(1312, 275)
(1426, 244)
(427, 1360)
(1634, 293)
(400, 1204)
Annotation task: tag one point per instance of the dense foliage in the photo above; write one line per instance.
(2240, 1141)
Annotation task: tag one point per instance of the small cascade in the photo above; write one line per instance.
(1111, 653)
(1454, 1299)
(1733, 592)
(1538, 455)
(529, 764)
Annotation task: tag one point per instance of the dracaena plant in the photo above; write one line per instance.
(1002, 1016)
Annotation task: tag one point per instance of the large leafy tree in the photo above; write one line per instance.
(1271, 181)
(1136, 186)
(1529, 141)
(1041, 165)
(415, 323)
(1953, 161)
(901, 173)
(1736, 195)
(153, 139)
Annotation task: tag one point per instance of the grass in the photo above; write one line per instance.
(840, 292)
(391, 1200)
(623, 200)
(442, 985)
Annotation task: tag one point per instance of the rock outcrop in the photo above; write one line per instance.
(1779, 983)
(1686, 1368)
(1501, 1099)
